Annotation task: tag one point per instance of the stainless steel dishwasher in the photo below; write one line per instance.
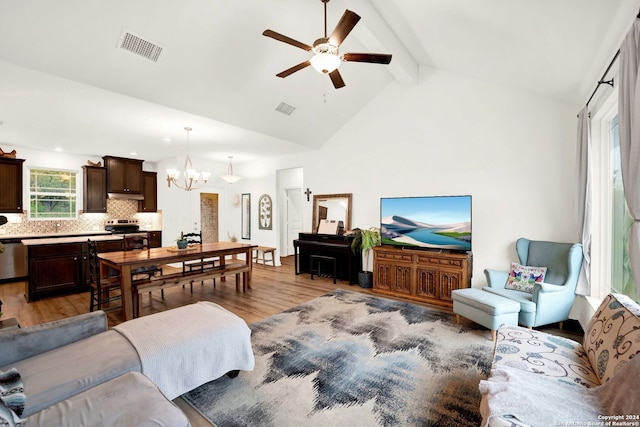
(13, 262)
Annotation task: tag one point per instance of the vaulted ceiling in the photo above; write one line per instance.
(64, 81)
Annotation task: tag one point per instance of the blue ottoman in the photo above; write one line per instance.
(485, 308)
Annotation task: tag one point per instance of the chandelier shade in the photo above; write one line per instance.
(191, 177)
(230, 177)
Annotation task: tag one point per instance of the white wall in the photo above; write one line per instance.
(511, 150)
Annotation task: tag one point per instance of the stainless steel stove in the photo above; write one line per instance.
(123, 226)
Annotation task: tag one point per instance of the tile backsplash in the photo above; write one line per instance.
(20, 224)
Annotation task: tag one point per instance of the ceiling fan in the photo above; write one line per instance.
(326, 58)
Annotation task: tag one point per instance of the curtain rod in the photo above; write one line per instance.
(602, 79)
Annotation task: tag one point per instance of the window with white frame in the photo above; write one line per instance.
(610, 266)
(52, 194)
(621, 278)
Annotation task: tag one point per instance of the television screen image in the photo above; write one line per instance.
(437, 222)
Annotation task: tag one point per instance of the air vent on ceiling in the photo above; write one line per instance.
(137, 44)
(285, 108)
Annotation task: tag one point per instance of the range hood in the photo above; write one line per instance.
(125, 196)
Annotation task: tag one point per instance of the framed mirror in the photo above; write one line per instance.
(332, 207)
(246, 216)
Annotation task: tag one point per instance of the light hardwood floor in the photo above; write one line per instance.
(274, 289)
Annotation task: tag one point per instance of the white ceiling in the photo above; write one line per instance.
(64, 83)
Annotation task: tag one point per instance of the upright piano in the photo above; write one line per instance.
(347, 263)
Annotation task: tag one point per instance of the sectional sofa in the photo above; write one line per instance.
(76, 371)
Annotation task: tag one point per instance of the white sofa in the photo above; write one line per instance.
(539, 379)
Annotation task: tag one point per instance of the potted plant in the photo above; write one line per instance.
(182, 242)
(363, 242)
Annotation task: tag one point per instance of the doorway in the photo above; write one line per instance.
(293, 217)
(209, 217)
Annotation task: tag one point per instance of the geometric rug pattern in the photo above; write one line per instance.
(351, 359)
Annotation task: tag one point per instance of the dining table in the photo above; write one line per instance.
(126, 261)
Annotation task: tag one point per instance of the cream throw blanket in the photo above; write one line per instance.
(183, 348)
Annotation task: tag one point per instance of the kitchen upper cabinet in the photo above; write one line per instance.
(11, 185)
(94, 189)
(123, 175)
(150, 191)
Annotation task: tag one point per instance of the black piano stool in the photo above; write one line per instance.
(319, 259)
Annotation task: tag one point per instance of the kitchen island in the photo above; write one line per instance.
(13, 263)
(60, 265)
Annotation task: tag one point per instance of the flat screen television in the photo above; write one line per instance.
(433, 222)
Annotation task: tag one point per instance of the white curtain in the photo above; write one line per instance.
(582, 202)
(629, 124)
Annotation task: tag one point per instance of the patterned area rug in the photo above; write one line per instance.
(351, 359)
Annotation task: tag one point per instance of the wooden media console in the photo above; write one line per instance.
(423, 275)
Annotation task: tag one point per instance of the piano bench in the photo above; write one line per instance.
(318, 260)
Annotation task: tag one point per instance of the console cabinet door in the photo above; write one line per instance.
(11, 185)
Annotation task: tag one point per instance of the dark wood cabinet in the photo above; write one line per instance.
(155, 239)
(150, 191)
(54, 270)
(11, 185)
(94, 190)
(61, 268)
(421, 275)
(123, 175)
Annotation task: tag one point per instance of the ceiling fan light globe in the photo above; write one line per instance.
(325, 62)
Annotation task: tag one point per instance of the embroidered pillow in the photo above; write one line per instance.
(12, 398)
(523, 277)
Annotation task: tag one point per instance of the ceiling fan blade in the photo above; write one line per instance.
(293, 69)
(336, 78)
(376, 58)
(285, 39)
(345, 25)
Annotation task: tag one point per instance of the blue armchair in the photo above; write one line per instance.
(551, 300)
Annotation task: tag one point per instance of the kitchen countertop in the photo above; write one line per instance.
(52, 235)
(50, 240)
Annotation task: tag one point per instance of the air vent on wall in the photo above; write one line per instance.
(285, 108)
(137, 44)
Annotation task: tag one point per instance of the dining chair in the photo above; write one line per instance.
(135, 242)
(104, 290)
(201, 264)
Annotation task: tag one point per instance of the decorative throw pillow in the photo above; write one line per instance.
(612, 337)
(523, 277)
(12, 398)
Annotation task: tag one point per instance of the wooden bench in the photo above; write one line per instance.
(264, 250)
(184, 278)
